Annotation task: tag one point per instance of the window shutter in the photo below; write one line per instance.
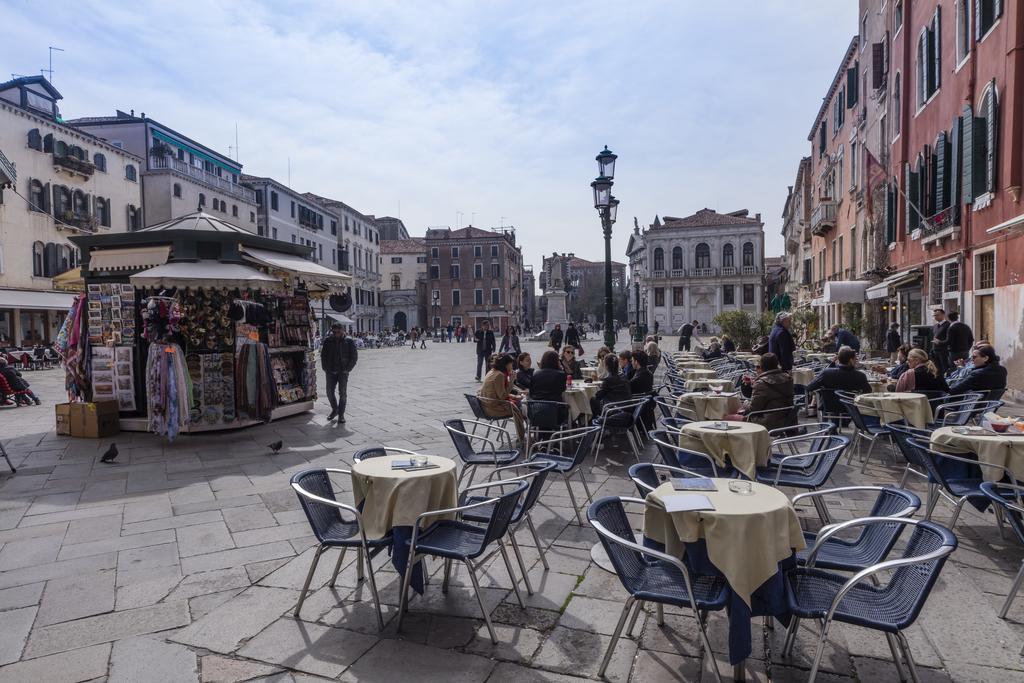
(852, 83)
(997, 9)
(955, 156)
(977, 22)
(877, 65)
(913, 201)
(57, 201)
(937, 45)
(890, 214)
(968, 154)
(50, 260)
(992, 114)
(941, 159)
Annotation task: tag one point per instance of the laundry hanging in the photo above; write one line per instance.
(168, 389)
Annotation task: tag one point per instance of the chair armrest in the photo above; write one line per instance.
(827, 532)
(970, 461)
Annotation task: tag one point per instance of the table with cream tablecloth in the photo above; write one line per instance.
(746, 444)
(693, 365)
(578, 398)
(749, 539)
(700, 373)
(803, 376)
(589, 372)
(391, 500)
(891, 406)
(710, 406)
(994, 449)
(700, 384)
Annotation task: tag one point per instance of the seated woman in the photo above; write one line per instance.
(653, 352)
(614, 387)
(922, 374)
(570, 365)
(713, 352)
(498, 399)
(626, 364)
(987, 376)
(728, 346)
(601, 353)
(901, 362)
(548, 383)
(771, 389)
(524, 373)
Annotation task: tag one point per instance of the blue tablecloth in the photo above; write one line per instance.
(768, 600)
(400, 557)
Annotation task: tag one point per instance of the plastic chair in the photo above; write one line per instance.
(820, 463)
(552, 451)
(872, 544)
(650, 576)
(818, 594)
(536, 475)
(1007, 497)
(647, 476)
(453, 539)
(378, 452)
(328, 521)
(492, 453)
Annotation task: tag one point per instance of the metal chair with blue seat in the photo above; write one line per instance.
(818, 467)
(1010, 499)
(336, 525)
(867, 427)
(621, 417)
(476, 405)
(545, 416)
(648, 476)
(674, 424)
(899, 433)
(874, 542)
(456, 540)
(666, 442)
(651, 576)
(554, 451)
(815, 593)
(378, 452)
(494, 452)
(536, 473)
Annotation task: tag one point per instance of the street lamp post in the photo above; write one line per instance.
(435, 323)
(638, 335)
(607, 208)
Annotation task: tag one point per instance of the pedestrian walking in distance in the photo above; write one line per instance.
(485, 346)
(338, 356)
(685, 333)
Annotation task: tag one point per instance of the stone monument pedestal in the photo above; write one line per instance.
(556, 310)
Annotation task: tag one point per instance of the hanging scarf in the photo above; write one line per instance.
(168, 389)
(72, 347)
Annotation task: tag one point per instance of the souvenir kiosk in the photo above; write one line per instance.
(196, 325)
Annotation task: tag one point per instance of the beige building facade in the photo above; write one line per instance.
(403, 295)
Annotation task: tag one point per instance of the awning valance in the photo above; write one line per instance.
(845, 291)
(341, 318)
(35, 301)
(885, 287)
(71, 280)
(312, 273)
(205, 273)
(128, 258)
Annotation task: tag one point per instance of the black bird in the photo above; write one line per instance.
(110, 455)
(276, 446)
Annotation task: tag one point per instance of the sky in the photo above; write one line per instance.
(448, 113)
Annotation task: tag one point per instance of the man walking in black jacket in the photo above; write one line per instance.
(959, 339)
(685, 333)
(940, 341)
(338, 355)
(485, 346)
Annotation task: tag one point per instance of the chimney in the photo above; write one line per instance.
(757, 217)
(132, 113)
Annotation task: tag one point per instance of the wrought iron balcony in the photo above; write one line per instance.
(823, 217)
(8, 172)
(74, 165)
(215, 181)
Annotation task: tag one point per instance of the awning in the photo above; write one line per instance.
(1016, 222)
(205, 273)
(35, 301)
(341, 318)
(885, 287)
(312, 273)
(845, 291)
(128, 258)
(70, 280)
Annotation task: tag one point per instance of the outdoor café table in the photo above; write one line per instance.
(802, 376)
(392, 500)
(748, 539)
(746, 444)
(693, 365)
(709, 405)
(891, 406)
(578, 397)
(698, 384)
(589, 372)
(1005, 450)
(699, 373)
(819, 356)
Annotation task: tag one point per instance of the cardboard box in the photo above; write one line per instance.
(95, 420)
(64, 418)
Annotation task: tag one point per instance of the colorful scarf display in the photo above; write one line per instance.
(168, 389)
(255, 390)
(72, 347)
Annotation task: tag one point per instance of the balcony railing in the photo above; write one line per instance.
(212, 179)
(656, 274)
(82, 221)
(74, 165)
(823, 218)
(8, 172)
(703, 272)
(749, 270)
(728, 270)
(679, 272)
(943, 220)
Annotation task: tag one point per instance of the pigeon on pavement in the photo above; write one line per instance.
(111, 454)
(276, 446)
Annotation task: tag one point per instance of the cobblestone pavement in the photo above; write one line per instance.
(183, 562)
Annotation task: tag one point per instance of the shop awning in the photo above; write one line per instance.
(341, 318)
(312, 273)
(128, 258)
(71, 280)
(205, 273)
(885, 287)
(845, 291)
(35, 301)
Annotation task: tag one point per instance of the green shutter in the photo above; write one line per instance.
(967, 160)
(941, 159)
(890, 214)
(992, 114)
(955, 155)
(852, 86)
(977, 22)
(937, 44)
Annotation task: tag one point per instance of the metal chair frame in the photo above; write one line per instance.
(644, 488)
(367, 453)
(476, 405)
(494, 446)
(632, 405)
(1016, 519)
(663, 446)
(862, 430)
(813, 463)
(563, 438)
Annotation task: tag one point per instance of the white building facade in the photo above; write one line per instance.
(696, 267)
(286, 215)
(404, 293)
(60, 181)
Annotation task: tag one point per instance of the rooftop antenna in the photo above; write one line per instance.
(503, 221)
(50, 70)
(399, 209)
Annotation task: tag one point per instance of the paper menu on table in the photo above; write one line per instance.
(687, 502)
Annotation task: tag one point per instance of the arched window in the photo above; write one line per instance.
(727, 256)
(897, 102)
(100, 162)
(39, 196)
(48, 143)
(659, 259)
(677, 258)
(202, 200)
(703, 256)
(35, 140)
(234, 210)
(61, 201)
(37, 259)
(177, 190)
(748, 253)
(986, 128)
(130, 173)
(76, 152)
(103, 211)
(60, 149)
(79, 203)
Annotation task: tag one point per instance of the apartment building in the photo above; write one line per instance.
(179, 174)
(391, 228)
(60, 181)
(584, 282)
(403, 296)
(796, 233)
(474, 275)
(286, 215)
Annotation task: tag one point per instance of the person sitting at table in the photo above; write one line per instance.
(901, 362)
(601, 354)
(844, 376)
(614, 387)
(653, 352)
(524, 373)
(498, 397)
(772, 388)
(728, 345)
(713, 352)
(570, 365)
(922, 375)
(548, 382)
(987, 375)
(642, 381)
(626, 364)
(962, 368)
